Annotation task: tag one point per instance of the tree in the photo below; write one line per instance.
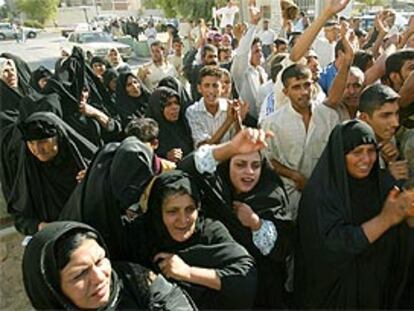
(190, 8)
(40, 10)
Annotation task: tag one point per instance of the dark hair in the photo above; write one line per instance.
(280, 41)
(208, 48)
(68, 243)
(145, 129)
(256, 40)
(297, 71)
(177, 39)
(375, 96)
(339, 47)
(157, 43)
(211, 71)
(396, 60)
(362, 59)
(276, 66)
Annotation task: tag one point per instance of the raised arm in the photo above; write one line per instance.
(304, 42)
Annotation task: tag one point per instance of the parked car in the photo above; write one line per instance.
(66, 30)
(95, 43)
(8, 32)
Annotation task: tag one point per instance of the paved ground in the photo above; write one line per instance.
(44, 50)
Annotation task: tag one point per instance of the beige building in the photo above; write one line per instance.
(113, 5)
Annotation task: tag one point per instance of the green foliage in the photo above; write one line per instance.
(191, 9)
(40, 10)
(374, 2)
(33, 23)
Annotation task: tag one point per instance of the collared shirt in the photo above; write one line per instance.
(327, 77)
(203, 124)
(157, 73)
(267, 36)
(325, 50)
(295, 147)
(247, 78)
(227, 15)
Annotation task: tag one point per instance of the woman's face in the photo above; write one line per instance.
(245, 171)
(179, 214)
(45, 149)
(133, 88)
(226, 86)
(42, 82)
(171, 110)
(86, 279)
(360, 160)
(112, 85)
(114, 57)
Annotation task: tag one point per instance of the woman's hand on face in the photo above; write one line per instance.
(247, 216)
(250, 140)
(172, 266)
(175, 155)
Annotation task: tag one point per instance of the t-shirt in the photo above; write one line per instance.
(227, 15)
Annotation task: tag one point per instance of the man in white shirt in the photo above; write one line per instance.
(301, 132)
(248, 75)
(267, 36)
(150, 33)
(325, 44)
(177, 61)
(227, 14)
(211, 119)
(158, 69)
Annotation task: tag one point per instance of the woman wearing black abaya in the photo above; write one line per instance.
(66, 267)
(196, 253)
(353, 250)
(248, 197)
(48, 170)
(177, 86)
(174, 136)
(39, 78)
(131, 97)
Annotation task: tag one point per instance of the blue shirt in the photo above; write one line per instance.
(327, 77)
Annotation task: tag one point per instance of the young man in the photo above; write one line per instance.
(267, 36)
(301, 132)
(158, 69)
(177, 60)
(379, 108)
(211, 119)
(227, 14)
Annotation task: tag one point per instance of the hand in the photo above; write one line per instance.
(336, 6)
(143, 72)
(244, 108)
(299, 180)
(87, 110)
(175, 155)
(389, 151)
(379, 24)
(255, 14)
(249, 140)
(399, 169)
(246, 216)
(172, 266)
(80, 176)
(41, 225)
(398, 206)
(238, 30)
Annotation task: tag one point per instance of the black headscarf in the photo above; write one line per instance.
(42, 188)
(23, 72)
(171, 134)
(114, 181)
(108, 76)
(177, 86)
(335, 265)
(128, 106)
(41, 271)
(210, 246)
(39, 73)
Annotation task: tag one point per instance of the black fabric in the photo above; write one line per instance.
(114, 181)
(41, 189)
(210, 246)
(129, 107)
(130, 289)
(268, 200)
(23, 72)
(335, 265)
(176, 85)
(171, 134)
(108, 76)
(39, 73)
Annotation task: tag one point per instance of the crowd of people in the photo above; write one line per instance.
(239, 169)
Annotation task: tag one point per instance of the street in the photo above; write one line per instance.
(44, 50)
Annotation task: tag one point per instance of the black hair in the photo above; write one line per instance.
(145, 129)
(276, 66)
(280, 41)
(209, 71)
(396, 61)
(256, 40)
(375, 96)
(157, 43)
(208, 48)
(297, 71)
(362, 59)
(339, 47)
(68, 243)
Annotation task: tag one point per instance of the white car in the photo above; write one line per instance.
(95, 43)
(8, 32)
